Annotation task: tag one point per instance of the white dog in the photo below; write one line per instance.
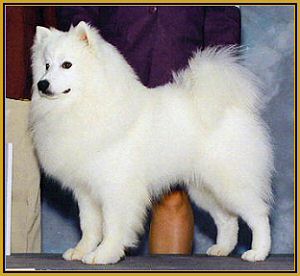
(116, 143)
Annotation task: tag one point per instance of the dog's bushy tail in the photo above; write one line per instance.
(216, 79)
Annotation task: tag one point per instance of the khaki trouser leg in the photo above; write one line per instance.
(26, 212)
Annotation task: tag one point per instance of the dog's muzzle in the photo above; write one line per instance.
(43, 87)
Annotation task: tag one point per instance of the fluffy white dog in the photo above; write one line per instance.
(116, 143)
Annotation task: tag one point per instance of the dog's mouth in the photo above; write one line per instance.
(50, 95)
(67, 91)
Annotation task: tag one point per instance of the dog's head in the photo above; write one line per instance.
(60, 60)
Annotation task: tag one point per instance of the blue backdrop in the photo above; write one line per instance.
(268, 33)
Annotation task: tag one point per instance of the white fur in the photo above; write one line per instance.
(116, 143)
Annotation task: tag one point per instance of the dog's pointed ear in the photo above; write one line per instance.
(82, 31)
(41, 33)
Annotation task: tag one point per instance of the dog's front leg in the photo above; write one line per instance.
(123, 212)
(91, 227)
(111, 249)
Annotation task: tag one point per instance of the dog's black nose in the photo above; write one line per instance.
(43, 85)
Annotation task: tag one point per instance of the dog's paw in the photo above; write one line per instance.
(73, 255)
(218, 250)
(254, 256)
(96, 257)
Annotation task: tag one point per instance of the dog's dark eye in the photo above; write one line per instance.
(66, 65)
(47, 66)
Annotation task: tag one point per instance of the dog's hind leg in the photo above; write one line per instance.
(253, 209)
(227, 224)
(261, 234)
(91, 227)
